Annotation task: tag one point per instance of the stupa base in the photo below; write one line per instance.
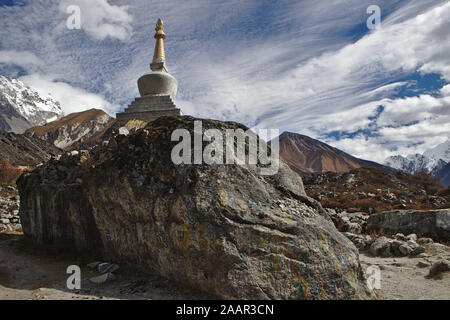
(149, 108)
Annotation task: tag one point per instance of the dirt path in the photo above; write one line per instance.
(28, 275)
(402, 279)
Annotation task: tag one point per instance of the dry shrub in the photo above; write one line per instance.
(408, 190)
(425, 180)
(444, 192)
(333, 203)
(8, 173)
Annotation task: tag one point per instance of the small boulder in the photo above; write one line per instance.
(380, 247)
(405, 250)
(439, 267)
(395, 244)
(354, 227)
(412, 244)
(17, 228)
(124, 131)
(400, 236)
(418, 250)
(362, 242)
(103, 278)
(423, 241)
(107, 268)
(412, 237)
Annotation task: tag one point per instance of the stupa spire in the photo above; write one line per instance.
(159, 57)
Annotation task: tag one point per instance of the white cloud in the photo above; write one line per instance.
(339, 90)
(72, 99)
(406, 126)
(23, 58)
(445, 91)
(100, 19)
(361, 146)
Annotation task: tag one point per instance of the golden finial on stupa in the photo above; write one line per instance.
(160, 30)
(159, 57)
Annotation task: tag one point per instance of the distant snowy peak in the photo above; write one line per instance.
(21, 107)
(442, 151)
(431, 161)
(27, 100)
(411, 164)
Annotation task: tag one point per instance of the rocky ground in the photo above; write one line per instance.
(411, 267)
(27, 274)
(9, 209)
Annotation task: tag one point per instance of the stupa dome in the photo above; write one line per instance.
(158, 83)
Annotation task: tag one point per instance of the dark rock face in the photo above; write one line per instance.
(223, 229)
(434, 224)
(25, 151)
(444, 175)
(10, 118)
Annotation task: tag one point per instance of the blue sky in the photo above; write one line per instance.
(311, 67)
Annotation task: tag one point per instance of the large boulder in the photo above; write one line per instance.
(434, 223)
(224, 229)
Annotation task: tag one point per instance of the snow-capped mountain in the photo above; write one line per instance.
(442, 151)
(433, 160)
(415, 163)
(21, 107)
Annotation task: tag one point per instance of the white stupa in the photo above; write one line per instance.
(158, 88)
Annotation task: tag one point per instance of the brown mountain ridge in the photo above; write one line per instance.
(76, 130)
(308, 156)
